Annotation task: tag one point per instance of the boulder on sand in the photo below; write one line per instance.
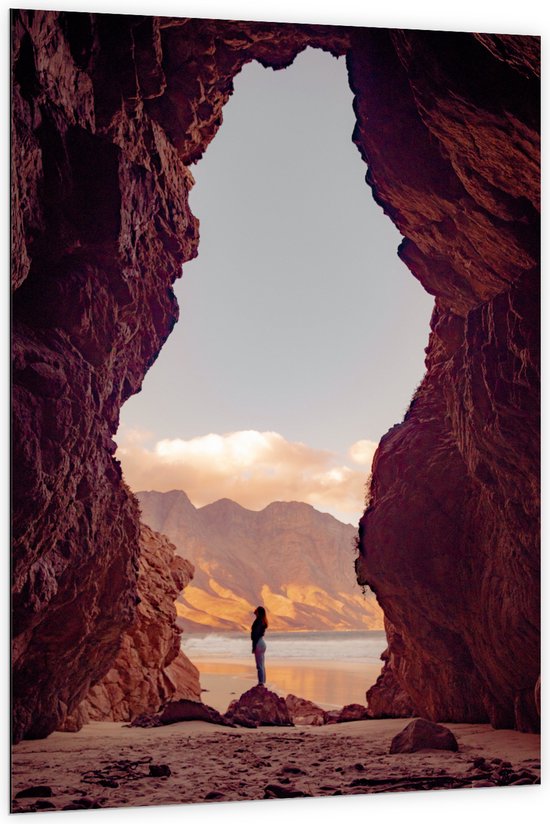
(351, 712)
(186, 710)
(259, 707)
(182, 710)
(422, 734)
(304, 712)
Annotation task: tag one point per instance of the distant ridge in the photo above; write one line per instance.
(296, 561)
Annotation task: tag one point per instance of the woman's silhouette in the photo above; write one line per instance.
(258, 643)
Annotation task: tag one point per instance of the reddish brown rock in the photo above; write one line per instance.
(286, 791)
(108, 110)
(182, 710)
(450, 539)
(91, 309)
(176, 711)
(352, 712)
(304, 712)
(421, 734)
(259, 707)
(184, 677)
(387, 698)
(150, 668)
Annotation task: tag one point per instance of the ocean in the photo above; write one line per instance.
(352, 646)
(330, 668)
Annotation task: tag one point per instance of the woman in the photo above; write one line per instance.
(258, 644)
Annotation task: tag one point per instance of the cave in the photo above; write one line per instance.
(108, 112)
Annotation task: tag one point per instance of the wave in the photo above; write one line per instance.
(308, 646)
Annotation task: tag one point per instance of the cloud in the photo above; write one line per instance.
(362, 452)
(250, 467)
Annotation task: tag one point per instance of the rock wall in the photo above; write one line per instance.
(108, 112)
(150, 668)
(450, 538)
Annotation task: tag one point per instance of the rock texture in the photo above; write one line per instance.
(259, 707)
(182, 710)
(450, 537)
(294, 560)
(303, 712)
(352, 712)
(108, 112)
(387, 698)
(421, 734)
(150, 669)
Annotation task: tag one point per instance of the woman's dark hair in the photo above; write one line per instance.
(259, 612)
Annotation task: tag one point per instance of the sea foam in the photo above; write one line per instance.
(354, 646)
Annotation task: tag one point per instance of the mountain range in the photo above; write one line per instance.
(292, 559)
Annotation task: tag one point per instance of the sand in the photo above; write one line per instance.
(209, 763)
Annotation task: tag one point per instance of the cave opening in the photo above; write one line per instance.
(450, 541)
(288, 364)
(297, 278)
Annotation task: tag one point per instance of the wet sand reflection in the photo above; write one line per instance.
(327, 683)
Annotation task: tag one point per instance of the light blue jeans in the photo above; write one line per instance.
(259, 654)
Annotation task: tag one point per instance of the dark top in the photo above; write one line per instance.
(258, 630)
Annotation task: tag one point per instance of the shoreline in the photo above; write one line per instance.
(330, 684)
(107, 764)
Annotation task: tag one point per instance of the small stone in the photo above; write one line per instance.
(39, 791)
(479, 762)
(278, 791)
(44, 805)
(85, 803)
(108, 782)
(159, 770)
(213, 795)
(359, 767)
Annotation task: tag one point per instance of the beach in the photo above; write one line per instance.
(329, 684)
(108, 764)
(331, 669)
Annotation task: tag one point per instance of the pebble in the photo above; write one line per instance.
(44, 805)
(39, 791)
(278, 791)
(159, 770)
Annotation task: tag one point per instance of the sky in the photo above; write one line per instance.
(301, 334)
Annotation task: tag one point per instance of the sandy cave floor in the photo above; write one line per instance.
(107, 764)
